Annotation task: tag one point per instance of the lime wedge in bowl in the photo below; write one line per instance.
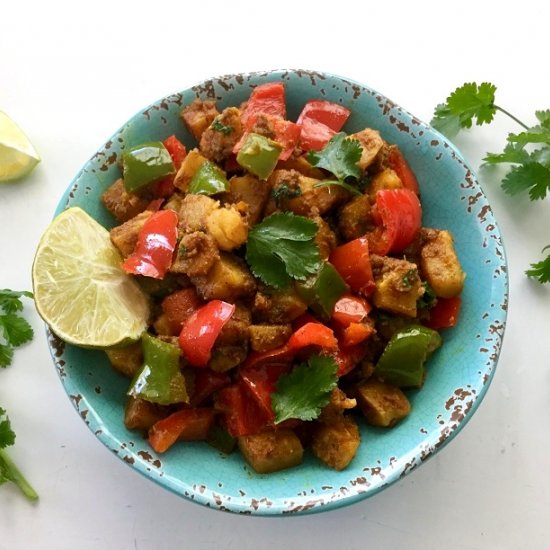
(80, 289)
(17, 155)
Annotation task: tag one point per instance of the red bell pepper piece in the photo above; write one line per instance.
(350, 309)
(400, 215)
(287, 134)
(347, 358)
(261, 382)
(243, 415)
(310, 334)
(399, 165)
(266, 99)
(319, 121)
(206, 382)
(165, 187)
(179, 306)
(445, 313)
(185, 424)
(355, 333)
(155, 246)
(352, 261)
(201, 329)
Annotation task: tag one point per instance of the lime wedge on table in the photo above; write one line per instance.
(17, 155)
(80, 289)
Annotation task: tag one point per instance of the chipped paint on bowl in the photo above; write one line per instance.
(459, 374)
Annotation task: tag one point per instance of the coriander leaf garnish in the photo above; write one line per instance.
(219, 126)
(339, 156)
(285, 192)
(540, 270)
(530, 168)
(282, 247)
(14, 329)
(8, 470)
(304, 391)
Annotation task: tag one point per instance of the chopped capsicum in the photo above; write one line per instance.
(208, 180)
(399, 165)
(155, 246)
(322, 291)
(267, 99)
(159, 380)
(402, 362)
(200, 331)
(144, 164)
(259, 155)
(352, 261)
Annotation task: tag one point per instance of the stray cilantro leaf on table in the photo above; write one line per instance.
(8, 470)
(304, 391)
(339, 157)
(281, 248)
(14, 329)
(527, 152)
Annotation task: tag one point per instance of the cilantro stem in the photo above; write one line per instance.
(515, 119)
(14, 474)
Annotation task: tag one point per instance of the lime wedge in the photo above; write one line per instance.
(17, 155)
(80, 289)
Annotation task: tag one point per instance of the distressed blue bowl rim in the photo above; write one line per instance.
(457, 407)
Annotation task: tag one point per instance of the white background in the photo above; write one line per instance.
(71, 74)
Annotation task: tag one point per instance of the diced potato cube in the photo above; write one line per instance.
(386, 179)
(141, 415)
(398, 285)
(355, 218)
(191, 163)
(382, 404)
(271, 451)
(336, 443)
(125, 236)
(278, 308)
(252, 191)
(371, 143)
(193, 212)
(266, 337)
(228, 357)
(197, 253)
(228, 279)
(121, 204)
(198, 115)
(126, 360)
(218, 145)
(439, 263)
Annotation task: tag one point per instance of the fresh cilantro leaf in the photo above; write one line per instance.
(544, 118)
(14, 330)
(17, 330)
(409, 277)
(512, 153)
(428, 299)
(7, 436)
(219, 126)
(339, 156)
(282, 247)
(540, 270)
(533, 177)
(10, 299)
(285, 192)
(535, 134)
(304, 391)
(6, 355)
(467, 102)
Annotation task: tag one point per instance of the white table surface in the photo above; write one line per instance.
(71, 74)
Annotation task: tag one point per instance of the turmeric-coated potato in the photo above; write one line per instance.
(271, 451)
(336, 443)
(382, 404)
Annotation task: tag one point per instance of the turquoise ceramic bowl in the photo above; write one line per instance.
(459, 373)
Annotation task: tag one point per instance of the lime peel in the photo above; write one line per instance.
(80, 288)
(18, 157)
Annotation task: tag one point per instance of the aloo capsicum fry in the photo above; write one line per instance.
(295, 292)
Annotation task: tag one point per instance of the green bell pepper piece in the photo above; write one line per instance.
(144, 164)
(322, 291)
(402, 362)
(159, 380)
(209, 179)
(259, 155)
(220, 439)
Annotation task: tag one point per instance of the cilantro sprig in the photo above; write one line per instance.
(14, 329)
(339, 157)
(8, 470)
(281, 248)
(527, 152)
(304, 391)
